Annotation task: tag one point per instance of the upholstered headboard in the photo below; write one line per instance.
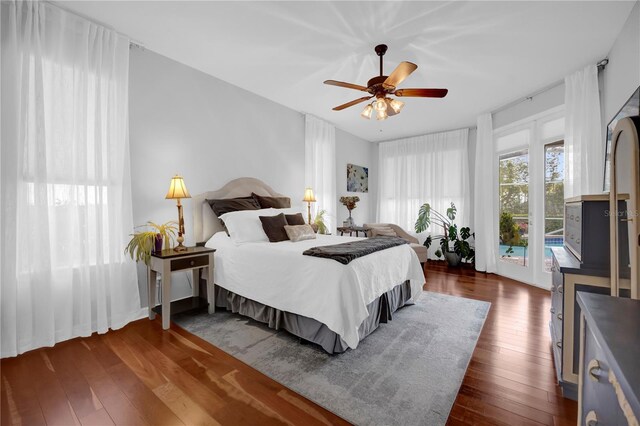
(205, 222)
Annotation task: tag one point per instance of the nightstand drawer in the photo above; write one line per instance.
(190, 262)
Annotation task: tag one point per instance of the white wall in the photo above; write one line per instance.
(541, 102)
(184, 121)
(622, 74)
(351, 149)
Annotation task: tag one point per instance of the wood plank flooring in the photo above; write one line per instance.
(511, 377)
(140, 375)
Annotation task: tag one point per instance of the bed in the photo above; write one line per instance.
(319, 300)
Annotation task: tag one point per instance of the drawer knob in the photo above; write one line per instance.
(591, 419)
(192, 263)
(560, 289)
(559, 344)
(560, 316)
(593, 369)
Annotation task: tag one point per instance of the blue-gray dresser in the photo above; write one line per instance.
(581, 265)
(609, 381)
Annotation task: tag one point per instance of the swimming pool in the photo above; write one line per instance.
(522, 251)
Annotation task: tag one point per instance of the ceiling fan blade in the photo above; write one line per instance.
(352, 103)
(402, 71)
(347, 85)
(422, 93)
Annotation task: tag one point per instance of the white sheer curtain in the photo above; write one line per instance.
(430, 169)
(66, 196)
(485, 195)
(320, 166)
(583, 140)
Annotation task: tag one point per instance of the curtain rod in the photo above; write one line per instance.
(132, 43)
(601, 64)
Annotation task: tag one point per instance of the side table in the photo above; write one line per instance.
(352, 229)
(168, 261)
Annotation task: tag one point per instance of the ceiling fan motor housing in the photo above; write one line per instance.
(375, 85)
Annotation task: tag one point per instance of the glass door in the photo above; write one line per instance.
(530, 197)
(513, 177)
(553, 199)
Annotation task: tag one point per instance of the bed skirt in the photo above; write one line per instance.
(380, 311)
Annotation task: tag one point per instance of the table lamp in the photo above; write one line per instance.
(178, 190)
(309, 198)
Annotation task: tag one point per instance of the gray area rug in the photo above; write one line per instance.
(407, 372)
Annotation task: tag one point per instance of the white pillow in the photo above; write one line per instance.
(244, 226)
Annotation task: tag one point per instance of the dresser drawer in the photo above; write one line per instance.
(598, 395)
(189, 262)
(573, 228)
(557, 291)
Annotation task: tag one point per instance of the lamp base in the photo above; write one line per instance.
(180, 247)
(180, 239)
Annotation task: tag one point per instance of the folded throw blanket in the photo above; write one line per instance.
(346, 252)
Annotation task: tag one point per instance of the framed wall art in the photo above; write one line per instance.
(357, 178)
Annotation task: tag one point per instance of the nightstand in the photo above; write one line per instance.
(168, 261)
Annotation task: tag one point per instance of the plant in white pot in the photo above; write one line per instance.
(454, 244)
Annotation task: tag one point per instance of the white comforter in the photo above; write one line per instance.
(337, 295)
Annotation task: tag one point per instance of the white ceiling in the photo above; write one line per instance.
(486, 53)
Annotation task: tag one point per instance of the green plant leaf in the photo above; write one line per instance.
(465, 233)
(427, 243)
(424, 218)
(451, 212)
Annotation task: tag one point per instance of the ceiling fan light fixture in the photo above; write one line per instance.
(366, 112)
(395, 105)
(382, 86)
(380, 104)
(381, 114)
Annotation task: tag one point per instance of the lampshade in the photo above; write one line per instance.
(308, 195)
(396, 105)
(366, 112)
(177, 189)
(381, 114)
(380, 104)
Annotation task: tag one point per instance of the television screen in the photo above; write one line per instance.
(630, 108)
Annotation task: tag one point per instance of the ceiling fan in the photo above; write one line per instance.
(382, 86)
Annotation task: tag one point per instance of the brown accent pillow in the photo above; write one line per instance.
(295, 219)
(272, 202)
(227, 205)
(274, 227)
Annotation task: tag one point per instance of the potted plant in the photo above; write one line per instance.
(319, 222)
(350, 204)
(454, 244)
(150, 240)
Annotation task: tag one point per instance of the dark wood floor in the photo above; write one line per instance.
(142, 375)
(511, 378)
